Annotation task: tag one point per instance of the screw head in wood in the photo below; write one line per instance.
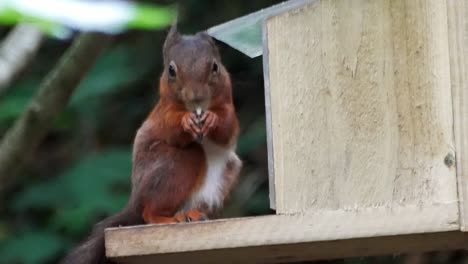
(449, 160)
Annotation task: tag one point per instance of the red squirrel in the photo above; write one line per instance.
(184, 160)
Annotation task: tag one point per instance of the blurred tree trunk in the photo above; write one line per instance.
(54, 92)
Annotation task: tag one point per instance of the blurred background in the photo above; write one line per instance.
(81, 171)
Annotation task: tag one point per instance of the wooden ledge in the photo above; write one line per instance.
(287, 238)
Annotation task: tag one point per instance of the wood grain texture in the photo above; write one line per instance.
(266, 78)
(311, 251)
(237, 237)
(361, 112)
(458, 40)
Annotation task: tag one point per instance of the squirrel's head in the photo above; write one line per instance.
(193, 72)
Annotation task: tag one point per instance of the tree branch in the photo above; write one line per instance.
(16, 51)
(21, 140)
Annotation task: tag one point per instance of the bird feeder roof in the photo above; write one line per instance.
(245, 33)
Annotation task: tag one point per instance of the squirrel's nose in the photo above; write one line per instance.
(196, 93)
(200, 94)
(197, 100)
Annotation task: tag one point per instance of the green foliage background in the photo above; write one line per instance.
(81, 172)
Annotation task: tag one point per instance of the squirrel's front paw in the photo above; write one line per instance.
(209, 121)
(190, 216)
(190, 124)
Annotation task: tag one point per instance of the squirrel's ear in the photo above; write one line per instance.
(172, 38)
(204, 35)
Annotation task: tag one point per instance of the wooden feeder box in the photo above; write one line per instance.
(367, 123)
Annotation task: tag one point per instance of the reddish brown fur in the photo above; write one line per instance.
(227, 128)
(195, 215)
(162, 189)
(169, 164)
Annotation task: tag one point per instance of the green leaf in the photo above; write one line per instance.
(10, 16)
(259, 203)
(59, 20)
(119, 67)
(4, 232)
(12, 107)
(39, 196)
(88, 188)
(252, 138)
(14, 103)
(31, 248)
(147, 17)
(65, 120)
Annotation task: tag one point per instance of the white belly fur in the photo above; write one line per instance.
(211, 192)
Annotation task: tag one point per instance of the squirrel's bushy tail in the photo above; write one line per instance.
(92, 250)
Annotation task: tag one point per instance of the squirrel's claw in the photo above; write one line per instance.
(210, 121)
(195, 215)
(190, 216)
(189, 124)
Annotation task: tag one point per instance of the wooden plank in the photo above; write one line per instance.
(361, 108)
(237, 236)
(266, 78)
(458, 40)
(244, 33)
(313, 250)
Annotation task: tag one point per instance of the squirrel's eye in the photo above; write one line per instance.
(172, 70)
(214, 67)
